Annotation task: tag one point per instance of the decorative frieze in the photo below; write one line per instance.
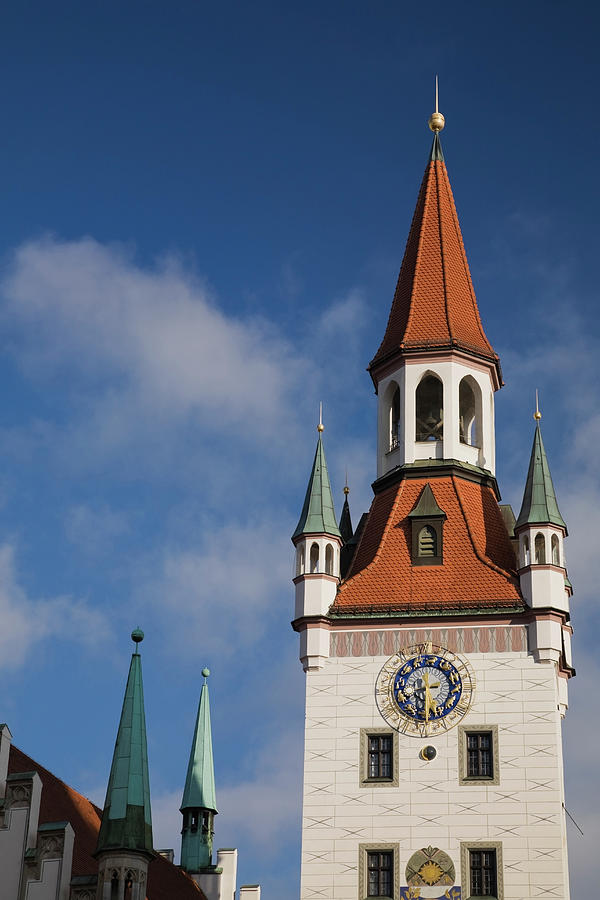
(472, 639)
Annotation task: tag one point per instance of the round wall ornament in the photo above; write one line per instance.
(424, 689)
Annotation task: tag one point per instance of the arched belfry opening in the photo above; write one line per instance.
(540, 549)
(314, 559)
(554, 543)
(395, 419)
(469, 411)
(430, 409)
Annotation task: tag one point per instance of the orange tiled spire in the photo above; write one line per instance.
(434, 305)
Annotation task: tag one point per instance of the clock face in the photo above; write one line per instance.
(424, 689)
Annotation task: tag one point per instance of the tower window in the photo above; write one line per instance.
(314, 558)
(329, 559)
(430, 409)
(128, 886)
(526, 552)
(380, 756)
(469, 412)
(379, 874)
(114, 886)
(427, 541)
(555, 550)
(483, 873)
(300, 561)
(540, 549)
(480, 760)
(395, 419)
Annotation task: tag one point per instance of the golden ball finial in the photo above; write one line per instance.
(537, 415)
(346, 490)
(320, 427)
(436, 122)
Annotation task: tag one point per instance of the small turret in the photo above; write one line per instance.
(318, 542)
(124, 847)
(541, 530)
(199, 805)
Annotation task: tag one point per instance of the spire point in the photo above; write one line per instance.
(137, 636)
(346, 488)
(436, 119)
(537, 414)
(320, 426)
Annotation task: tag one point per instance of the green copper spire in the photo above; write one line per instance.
(126, 820)
(199, 804)
(539, 505)
(318, 513)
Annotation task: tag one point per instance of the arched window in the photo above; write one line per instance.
(427, 541)
(526, 553)
(395, 419)
(314, 558)
(299, 560)
(540, 549)
(430, 409)
(329, 559)
(128, 886)
(469, 411)
(555, 550)
(114, 886)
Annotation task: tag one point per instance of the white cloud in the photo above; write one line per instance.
(228, 583)
(26, 623)
(94, 530)
(151, 342)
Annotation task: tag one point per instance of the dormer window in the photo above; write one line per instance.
(427, 523)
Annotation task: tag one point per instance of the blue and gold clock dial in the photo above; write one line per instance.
(424, 689)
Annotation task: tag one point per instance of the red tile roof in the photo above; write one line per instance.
(61, 803)
(434, 305)
(479, 566)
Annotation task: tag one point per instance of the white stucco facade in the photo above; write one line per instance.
(521, 815)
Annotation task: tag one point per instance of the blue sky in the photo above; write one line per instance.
(205, 210)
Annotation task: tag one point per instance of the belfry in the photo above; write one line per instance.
(435, 638)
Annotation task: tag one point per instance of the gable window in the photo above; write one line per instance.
(427, 541)
(379, 874)
(427, 524)
(430, 409)
(540, 549)
(483, 873)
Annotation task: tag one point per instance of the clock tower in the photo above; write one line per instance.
(435, 639)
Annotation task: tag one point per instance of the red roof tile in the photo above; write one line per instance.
(478, 570)
(61, 803)
(434, 305)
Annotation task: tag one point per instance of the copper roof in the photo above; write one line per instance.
(434, 305)
(478, 570)
(61, 803)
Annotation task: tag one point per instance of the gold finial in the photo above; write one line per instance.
(436, 119)
(320, 426)
(346, 488)
(537, 414)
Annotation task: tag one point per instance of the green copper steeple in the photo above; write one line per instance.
(539, 505)
(126, 820)
(199, 804)
(318, 513)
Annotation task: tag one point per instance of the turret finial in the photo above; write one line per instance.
(537, 414)
(346, 488)
(320, 426)
(205, 672)
(137, 636)
(436, 119)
